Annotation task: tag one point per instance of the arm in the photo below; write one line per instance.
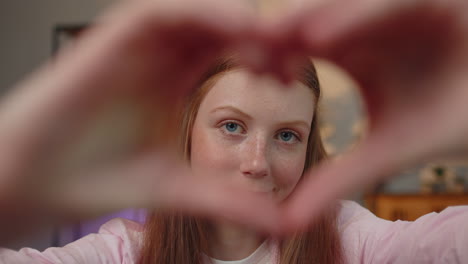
(118, 241)
(433, 238)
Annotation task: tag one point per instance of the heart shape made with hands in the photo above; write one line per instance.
(135, 51)
(401, 55)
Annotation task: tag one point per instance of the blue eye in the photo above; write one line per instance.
(231, 127)
(286, 136)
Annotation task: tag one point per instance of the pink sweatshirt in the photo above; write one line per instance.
(433, 238)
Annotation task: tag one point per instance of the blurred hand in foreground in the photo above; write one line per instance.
(410, 59)
(152, 52)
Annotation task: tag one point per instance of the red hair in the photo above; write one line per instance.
(172, 238)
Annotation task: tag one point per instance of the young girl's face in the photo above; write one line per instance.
(252, 132)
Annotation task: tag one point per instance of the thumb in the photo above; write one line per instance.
(331, 180)
(217, 199)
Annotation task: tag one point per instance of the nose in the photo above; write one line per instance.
(255, 162)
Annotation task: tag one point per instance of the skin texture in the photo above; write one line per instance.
(251, 132)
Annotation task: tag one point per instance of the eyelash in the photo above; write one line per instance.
(294, 134)
(223, 130)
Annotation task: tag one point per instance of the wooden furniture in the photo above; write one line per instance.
(409, 207)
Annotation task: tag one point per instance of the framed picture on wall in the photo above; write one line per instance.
(64, 34)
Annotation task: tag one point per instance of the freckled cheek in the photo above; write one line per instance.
(210, 157)
(289, 171)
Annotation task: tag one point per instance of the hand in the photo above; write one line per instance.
(410, 59)
(151, 53)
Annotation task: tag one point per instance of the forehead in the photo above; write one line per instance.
(261, 95)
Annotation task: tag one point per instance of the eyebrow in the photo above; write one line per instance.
(245, 115)
(232, 109)
(304, 124)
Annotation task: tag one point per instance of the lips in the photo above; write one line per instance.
(269, 193)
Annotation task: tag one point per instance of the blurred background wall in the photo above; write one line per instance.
(26, 31)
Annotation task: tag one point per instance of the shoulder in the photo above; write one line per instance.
(122, 227)
(126, 235)
(360, 231)
(435, 236)
(351, 210)
(352, 215)
(118, 241)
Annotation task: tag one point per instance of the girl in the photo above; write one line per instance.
(258, 134)
(251, 133)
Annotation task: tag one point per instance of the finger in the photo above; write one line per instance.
(128, 184)
(323, 26)
(141, 25)
(323, 186)
(161, 181)
(70, 86)
(216, 199)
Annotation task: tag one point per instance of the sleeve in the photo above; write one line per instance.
(433, 238)
(118, 241)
